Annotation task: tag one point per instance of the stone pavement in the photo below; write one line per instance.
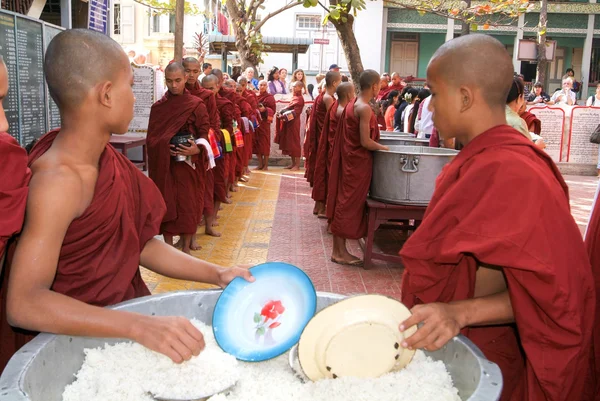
(271, 220)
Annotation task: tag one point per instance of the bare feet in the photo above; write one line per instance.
(186, 250)
(340, 254)
(243, 179)
(315, 209)
(289, 167)
(247, 171)
(295, 168)
(211, 232)
(320, 208)
(215, 224)
(353, 261)
(228, 201)
(233, 189)
(194, 246)
(258, 168)
(265, 168)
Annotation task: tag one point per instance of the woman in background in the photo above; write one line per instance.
(283, 76)
(298, 75)
(275, 86)
(389, 108)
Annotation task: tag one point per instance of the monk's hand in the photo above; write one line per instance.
(440, 323)
(226, 275)
(191, 150)
(175, 337)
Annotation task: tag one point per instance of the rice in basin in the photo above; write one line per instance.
(128, 372)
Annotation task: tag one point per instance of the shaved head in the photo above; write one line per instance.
(242, 81)
(344, 91)
(332, 77)
(188, 61)
(174, 68)
(211, 82)
(229, 84)
(219, 74)
(464, 60)
(78, 60)
(367, 79)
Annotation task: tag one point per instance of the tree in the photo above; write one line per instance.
(246, 27)
(542, 63)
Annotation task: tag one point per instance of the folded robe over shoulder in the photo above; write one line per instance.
(181, 185)
(263, 132)
(485, 211)
(317, 119)
(221, 170)
(352, 174)
(289, 142)
(14, 178)
(319, 192)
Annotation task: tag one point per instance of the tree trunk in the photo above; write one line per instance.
(351, 50)
(542, 63)
(465, 26)
(179, 13)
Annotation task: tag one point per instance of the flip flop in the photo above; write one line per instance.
(322, 216)
(357, 262)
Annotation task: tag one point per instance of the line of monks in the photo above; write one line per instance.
(226, 123)
(498, 256)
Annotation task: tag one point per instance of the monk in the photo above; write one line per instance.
(92, 216)
(267, 108)
(193, 70)
(227, 91)
(180, 182)
(255, 118)
(243, 124)
(345, 94)
(248, 130)
(313, 134)
(395, 85)
(319, 191)
(351, 169)
(592, 238)
(487, 261)
(289, 142)
(14, 176)
(226, 114)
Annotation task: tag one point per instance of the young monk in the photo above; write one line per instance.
(92, 215)
(289, 141)
(244, 111)
(180, 182)
(486, 261)
(229, 94)
(267, 108)
(319, 191)
(14, 176)
(226, 114)
(317, 119)
(252, 100)
(395, 85)
(351, 169)
(192, 70)
(345, 94)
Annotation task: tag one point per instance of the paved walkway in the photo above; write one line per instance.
(271, 220)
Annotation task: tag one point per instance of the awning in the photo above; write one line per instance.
(275, 44)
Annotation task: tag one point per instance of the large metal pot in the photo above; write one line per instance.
(406, 174)
(402, 140)
(396, 134)
(41, 369)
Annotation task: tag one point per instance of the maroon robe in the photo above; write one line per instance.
(317, 119)
(383, 93)
(592, 243)
(99, 259)
(532, 120)
(263, 132)
(210, 100)
(14, 178)
(485, 211)
(351, 170)
(321, 175)
(252, 100)
(221, 170)
(181, 185)
(289, 141)
(234, 167)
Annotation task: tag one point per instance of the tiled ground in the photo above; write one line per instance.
(271, 219)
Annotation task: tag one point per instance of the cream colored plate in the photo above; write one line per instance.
(356, 337)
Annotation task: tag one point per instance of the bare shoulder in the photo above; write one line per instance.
(362, 109)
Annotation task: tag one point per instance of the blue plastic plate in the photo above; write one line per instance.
(262, 320)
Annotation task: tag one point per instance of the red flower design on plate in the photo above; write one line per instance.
(270, 312)
(272, 309)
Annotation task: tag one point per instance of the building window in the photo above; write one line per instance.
(171, 23)
(117, 19)
(311, 22)
(155, 23)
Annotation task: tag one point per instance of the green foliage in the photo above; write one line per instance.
(168, 7)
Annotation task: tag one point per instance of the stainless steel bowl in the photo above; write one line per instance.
(41, 369)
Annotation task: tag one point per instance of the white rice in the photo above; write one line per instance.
(126, 372)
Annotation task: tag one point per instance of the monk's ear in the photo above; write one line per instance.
(466, 98)
(106, 94)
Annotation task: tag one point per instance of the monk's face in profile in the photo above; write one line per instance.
(262, 87)
(175, 82)
(211, 86)
(192, 70)
(298, 90)
(3, 94)
(396, 80)
(239, 90)
(445, 102)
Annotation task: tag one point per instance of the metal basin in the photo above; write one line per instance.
(396, 134)
(41, 370)
(402, 140)
(406, 175)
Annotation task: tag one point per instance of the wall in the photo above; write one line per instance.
(428, 44)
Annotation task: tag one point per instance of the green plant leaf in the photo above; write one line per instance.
(257, 317)
(260, 331)
(335, 14)
(474, 27)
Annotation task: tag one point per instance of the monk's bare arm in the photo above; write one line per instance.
(55, 199)
(364, 115)
(169, 261)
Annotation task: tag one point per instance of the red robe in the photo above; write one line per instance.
(100, 255)
(531, 119)
(240, 107)
(351, 170)
(383, 93)
(252, 100)
(317, 119)
(321, 175)
(592, 243)
(262, 141)
(289, 141)
(181, 185)
(485, 211)
(14, 178)
(221, 170)
(210, 100)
